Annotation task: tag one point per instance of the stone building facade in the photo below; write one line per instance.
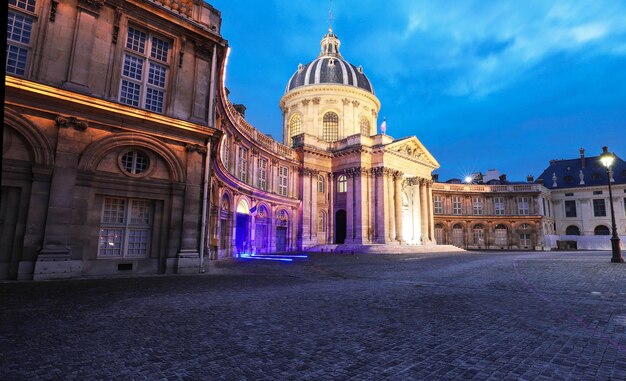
(123, 153)
(498, 215)
(108, 128)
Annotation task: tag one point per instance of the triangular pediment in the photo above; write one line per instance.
(411, 147)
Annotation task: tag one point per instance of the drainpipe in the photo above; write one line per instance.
(204, 234)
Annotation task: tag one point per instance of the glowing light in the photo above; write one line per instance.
(468, 179)
(252, 256)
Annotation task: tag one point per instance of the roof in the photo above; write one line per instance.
(567, 173)
(329, 68)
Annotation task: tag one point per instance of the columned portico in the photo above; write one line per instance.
(424, 211)
(397, 180)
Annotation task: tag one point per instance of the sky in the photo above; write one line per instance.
(483, 84)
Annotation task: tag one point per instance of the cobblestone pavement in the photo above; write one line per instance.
(462, 316)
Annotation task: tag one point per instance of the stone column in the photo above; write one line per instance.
(397, 179)
(331, 208)
(55, 258)
(416, 210)
(379, 205)
(313, 198)
(424, 210)
(188, 258)
(431, 212)
(272, 232)
(305, 212)
(391, 234)
(350, 206)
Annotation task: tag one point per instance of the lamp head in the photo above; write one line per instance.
(607, 158)
(468, 179)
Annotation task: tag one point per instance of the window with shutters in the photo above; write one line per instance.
(262, 173)
(242, 165)
(283, 176)
(499, 206)
(145, 70)
(456, 205)
(438, 204)
(477, 205)
(523, 206)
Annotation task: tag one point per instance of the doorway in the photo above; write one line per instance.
(340, 226)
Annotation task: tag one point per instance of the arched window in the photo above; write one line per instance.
(321, 222)
(364, 123)
(330, 131)
(320, 184)
(501, 235)
(295, 125)
(524, 227)
(243, 208)
(342, 184)
(601, 230)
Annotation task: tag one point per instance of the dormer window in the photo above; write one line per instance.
(568, 179)
(595, 176)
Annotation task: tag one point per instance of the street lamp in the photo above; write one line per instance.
(607, 158)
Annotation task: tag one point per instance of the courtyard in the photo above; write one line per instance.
(471, 315)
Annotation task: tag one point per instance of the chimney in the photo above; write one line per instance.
(436, 177)
(240, 109)
(503, 179)
(530, 178)
(582, 158)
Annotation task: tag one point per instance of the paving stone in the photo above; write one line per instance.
(476, 316)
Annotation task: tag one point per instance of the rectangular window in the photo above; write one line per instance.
(523, 206)
(569, 194)
(524, 240)
(125, 227)
(19, 35)
(242, 173)
(282, 181)
(438, 205)
(262, 173)
(144, 70)
(456, 205)
(595, 193)
(477, 205)
(599, 209)
(501, 237)
(499, 206)
(570, 208)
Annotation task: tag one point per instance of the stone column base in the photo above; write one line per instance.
(56, 266)
(188, 262)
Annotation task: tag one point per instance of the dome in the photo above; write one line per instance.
(330, 68)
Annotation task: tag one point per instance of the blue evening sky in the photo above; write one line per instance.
(483, 84)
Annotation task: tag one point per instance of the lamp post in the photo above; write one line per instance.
(607, 159)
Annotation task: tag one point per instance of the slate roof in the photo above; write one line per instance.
(331, 68)
(568, 173)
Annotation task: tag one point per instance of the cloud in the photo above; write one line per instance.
(481, 47)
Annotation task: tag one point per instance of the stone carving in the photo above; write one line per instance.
(316, 100)
(184, 7)
(91, 5)
(195, 148)
(345, 101)
(308, 171)
(116, 24)
(355, 103)
(71, 121)
(305, 102)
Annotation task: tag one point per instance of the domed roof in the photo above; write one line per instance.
(329, 67)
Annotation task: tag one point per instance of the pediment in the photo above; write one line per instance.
(411, 147)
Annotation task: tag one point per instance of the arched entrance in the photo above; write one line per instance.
(261, 230)
(282, 219)
(242, 241)
(340, 226)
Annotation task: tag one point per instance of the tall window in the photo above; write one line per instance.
(342, 184)
(624, 206)
(145, 70)
(320, 184)
(242, 162)
(282, 180)
(364, 123)
(125, 226)
(524, 237)
(599, 209)
(225, 151)
(321, 222)
(499, 206)
(295, 125)
(457, 235)
(438, 205)
(456, 205)
(570, 208)
(19, 35)
(500, 235)
(330, 127)
(478, 235)
(477, 205)
(523, 206)
(262, 173)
